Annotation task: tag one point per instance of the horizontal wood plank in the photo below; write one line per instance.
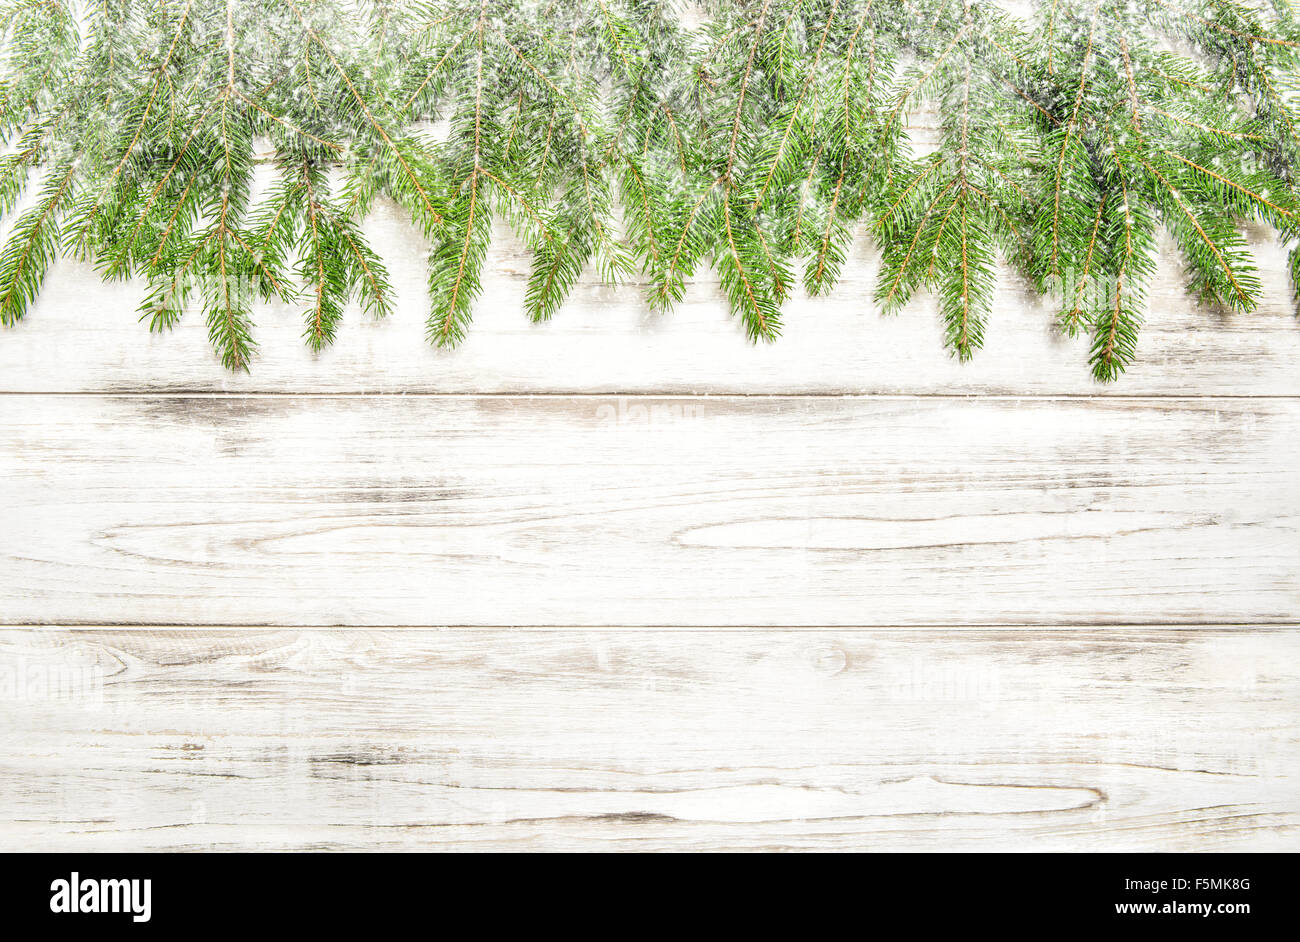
(84, 336)
(286, 510)
(1130, 739)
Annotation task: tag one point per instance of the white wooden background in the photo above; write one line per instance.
(834, 593)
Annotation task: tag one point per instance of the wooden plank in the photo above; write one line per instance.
(84, 336)
(287, 510)
(1127, 739)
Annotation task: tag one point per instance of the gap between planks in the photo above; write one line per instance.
(199, 628)
(643, 394)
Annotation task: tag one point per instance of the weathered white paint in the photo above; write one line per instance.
(634, 511)
(1169, 501)
(1122, 739)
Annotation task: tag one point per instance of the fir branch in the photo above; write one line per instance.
(32, 247)
(608, 134)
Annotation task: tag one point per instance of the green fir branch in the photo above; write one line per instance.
(227, 152)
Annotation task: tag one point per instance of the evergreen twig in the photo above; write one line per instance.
(613, 134)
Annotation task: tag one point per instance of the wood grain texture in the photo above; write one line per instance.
(1127, 517)
(594, 511)
(83, 336)
(1128, 739)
